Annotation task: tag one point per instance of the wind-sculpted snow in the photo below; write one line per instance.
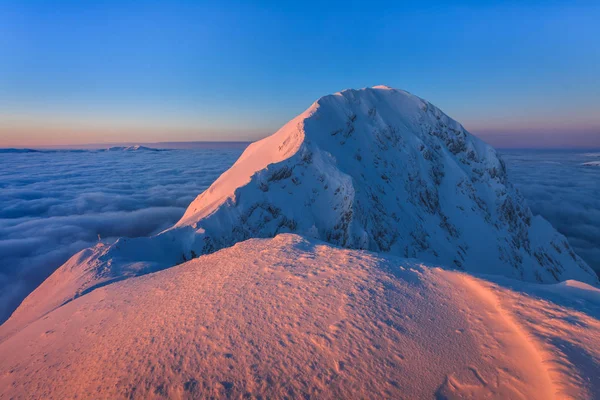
(291, 317)
(376, 169)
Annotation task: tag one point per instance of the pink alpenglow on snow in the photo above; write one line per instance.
(370, 248)
(294, 317)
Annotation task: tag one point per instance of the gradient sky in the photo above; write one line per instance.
(518, 74)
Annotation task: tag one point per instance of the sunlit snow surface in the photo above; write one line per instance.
(53, 204)
(291, 317)
(563, 187)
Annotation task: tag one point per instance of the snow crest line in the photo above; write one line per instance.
(522, 341)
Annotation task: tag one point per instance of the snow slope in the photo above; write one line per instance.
(295, 317)
(377, 169)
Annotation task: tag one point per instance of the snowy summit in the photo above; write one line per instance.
(358, 201)
(383, 170)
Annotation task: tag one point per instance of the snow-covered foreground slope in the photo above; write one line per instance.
(377, 169)
(294, 317)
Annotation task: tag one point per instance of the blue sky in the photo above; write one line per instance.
(515, 73)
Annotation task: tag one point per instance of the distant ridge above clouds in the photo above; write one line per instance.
(154, 145)
(136, 147)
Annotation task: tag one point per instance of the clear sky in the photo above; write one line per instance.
(515, 73)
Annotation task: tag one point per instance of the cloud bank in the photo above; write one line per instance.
(564, 188)
(54, 204)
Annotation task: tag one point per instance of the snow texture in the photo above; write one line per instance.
(290, 317)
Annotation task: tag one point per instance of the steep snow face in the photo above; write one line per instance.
(294, 317)
(383, 170)
(377, 169)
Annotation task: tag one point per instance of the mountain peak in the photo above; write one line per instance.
(383, 170)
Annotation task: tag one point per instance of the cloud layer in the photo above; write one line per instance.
(559, 187)
(53, 204)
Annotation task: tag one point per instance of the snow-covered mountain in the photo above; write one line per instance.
(377, 169)
(383, 170)
(306, 311)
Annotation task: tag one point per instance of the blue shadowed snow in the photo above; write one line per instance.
(564, 188)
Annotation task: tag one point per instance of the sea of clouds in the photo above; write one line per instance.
(563, 187)
(53, 204)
